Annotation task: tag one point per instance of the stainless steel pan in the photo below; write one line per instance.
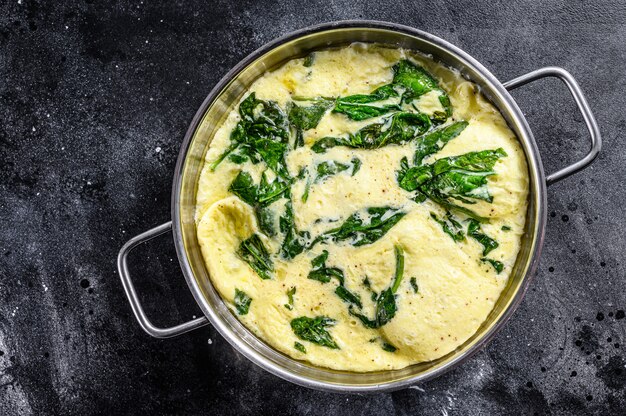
(214, 109)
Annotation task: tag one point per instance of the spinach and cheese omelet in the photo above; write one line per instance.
(361, 208)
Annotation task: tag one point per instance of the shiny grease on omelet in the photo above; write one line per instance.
(448, 285)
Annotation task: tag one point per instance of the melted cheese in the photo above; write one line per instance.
(456, 290)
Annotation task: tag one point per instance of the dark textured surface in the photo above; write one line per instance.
(94, 102)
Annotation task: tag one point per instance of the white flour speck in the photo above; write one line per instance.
(210, 341)
(158, 149)
(418, 388)
(14, 311)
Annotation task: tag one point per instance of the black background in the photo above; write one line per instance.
(95, 98)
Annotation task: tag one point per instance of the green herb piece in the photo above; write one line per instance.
(347, 296)
(324, 274)
(259, 197)
(474, 231)
(388, 347)
(361, 232)
(414, 284)
(396, 129)
(306, 118)
(299, 347)
(499, 266)
(314, 330)
(329, 168)
(386, 307)
(308, 60)
(238, 158)
(253, 252)
(506, 228)
(356, 165)
(294, 241)
(450, 226)
(307, 188)
(461, 178)
(243, 186)
(367, 283)
(435, 141)
(290, 293)
(242, 302)
(410, 81)
(262, 134)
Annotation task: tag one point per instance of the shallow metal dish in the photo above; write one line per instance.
(209, 117)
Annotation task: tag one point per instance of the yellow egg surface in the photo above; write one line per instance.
(386, 248)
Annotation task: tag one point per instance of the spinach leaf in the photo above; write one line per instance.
(314, 330)
(308, 60)
(323, 274)
(499, 266)
(461, 178)
(299, 347)
(290, 293)
(450, 226)
(243, 186)
(356, 165)
(361, 231)
(435, 141)
(306, 118)
(294, 241)
(414, 284)
(411, 178)
(265, 219)
(388, 347)
(347, 296)
(253, 252)
(506, 228)
(395, 129)
(474, 231)
(386, 307)
(263, 132)
(259, 197)
(307, 188)
(328, 168)
(242, 302)
(409, 80)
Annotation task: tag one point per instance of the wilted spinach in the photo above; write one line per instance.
(314, 330)
(461, 178)
(329, 168)
(322, 273)
(414, 284)
(410, 81)
(290, 293)
(242, 302)
(260, 197)
(299, 347)
(435, 141)
(361, 232)
(253, 252)
(499, 266)
(450, 226)
(396, 129)
(388, 347)
(294, 241)
(261, 134)
(386, 307)
(474, 231)
(347, 296)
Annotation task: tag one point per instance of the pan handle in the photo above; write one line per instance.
(583, 106)
(144, 322)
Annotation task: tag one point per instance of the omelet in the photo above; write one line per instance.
(361, 208)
